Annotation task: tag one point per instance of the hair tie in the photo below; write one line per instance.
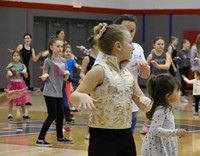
(102, 31)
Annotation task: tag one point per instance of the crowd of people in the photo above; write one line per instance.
(108, 87)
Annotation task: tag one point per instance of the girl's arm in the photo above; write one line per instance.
(78, 66)
(45, 75)
(172, 62)
(10, 50)
(84, 65)
(9, 74)
(8, 95)
(149, 58)
(156, 126)
(187, 80)
(73, 80)
(80, 95)
(66, 75)
(44, 53)
(19, 47)
(35, 57)
(144, 68)
(144, 103)
(24, 72)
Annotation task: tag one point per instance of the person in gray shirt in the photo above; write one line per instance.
(53, 73)
(184, 62)
(195, 54)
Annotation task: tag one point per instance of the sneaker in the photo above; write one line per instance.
(69, 122)
(65, 141)
(73, 109)
(26, 117)
(196, 114)
(144, 130)
(43, 143)
(72, 116)
(10, 117)
(28, 104)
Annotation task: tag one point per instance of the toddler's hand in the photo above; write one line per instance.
(181, 133)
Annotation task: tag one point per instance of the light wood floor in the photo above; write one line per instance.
(17, 138)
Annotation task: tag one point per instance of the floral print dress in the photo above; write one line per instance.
(161, 138)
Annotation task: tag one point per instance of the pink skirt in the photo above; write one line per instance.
(16, 85)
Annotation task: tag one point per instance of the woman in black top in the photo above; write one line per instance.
(172, 49)
(88, 61)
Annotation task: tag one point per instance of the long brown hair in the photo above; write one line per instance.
(198, 44)
(158, 87)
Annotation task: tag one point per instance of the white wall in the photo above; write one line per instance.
(127, 4)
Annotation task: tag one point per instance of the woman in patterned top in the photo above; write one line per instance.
(161, 139)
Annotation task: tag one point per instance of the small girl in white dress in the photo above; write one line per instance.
(161, 139)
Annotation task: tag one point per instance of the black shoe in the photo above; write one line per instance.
(28, 104)
(10, 117)
(26, 117)
(65, 141)
(43, 143)
(74, 110)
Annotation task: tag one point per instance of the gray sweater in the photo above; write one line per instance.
(195, 63)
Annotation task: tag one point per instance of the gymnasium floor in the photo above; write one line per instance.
(17, 137)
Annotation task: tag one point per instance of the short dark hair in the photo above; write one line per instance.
(27, 34)
(125, 17)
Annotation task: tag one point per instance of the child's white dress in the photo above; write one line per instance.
(161, 138)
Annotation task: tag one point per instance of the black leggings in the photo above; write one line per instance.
(55, 111)
(184, 71)
(27, 80)
(197, 99)
(111, 142)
